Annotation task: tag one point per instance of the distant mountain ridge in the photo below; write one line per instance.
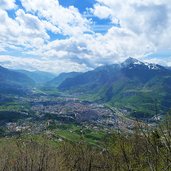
(108, 73)
(62, 77)
(132, 84)
(139, 86)
(13, 81)
(39, 77)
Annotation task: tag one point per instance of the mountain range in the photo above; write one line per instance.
(141, 87)
(22, 81)
(14, 82)
(39, 77)
(55, 82)
(134, 85)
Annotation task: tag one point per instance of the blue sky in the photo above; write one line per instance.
(81, 5)
(79, 35)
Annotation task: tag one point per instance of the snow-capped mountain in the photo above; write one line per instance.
(131, 83)
(132, 62)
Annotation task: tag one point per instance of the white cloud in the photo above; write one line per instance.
(103, 12)
(14, 33)
(151, 19)
(165, 61)
(145, 28)
(68, 20)
(32, 64)
(149, 23)
(26, 31)
(30, 25)
(7, 4)
(97, 49)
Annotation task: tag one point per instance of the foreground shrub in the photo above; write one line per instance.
(142, 150)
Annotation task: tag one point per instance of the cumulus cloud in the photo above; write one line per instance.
(17, 33)
(7, 4)
(33, 64)
(68, 20)
(152, 19)
(137, 28)
(101, 11)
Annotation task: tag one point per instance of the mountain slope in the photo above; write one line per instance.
(62, 77)
(132, 84)
(39, 77)
(91, 80)
(14, 82)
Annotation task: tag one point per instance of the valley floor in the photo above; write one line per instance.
(59, 133)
